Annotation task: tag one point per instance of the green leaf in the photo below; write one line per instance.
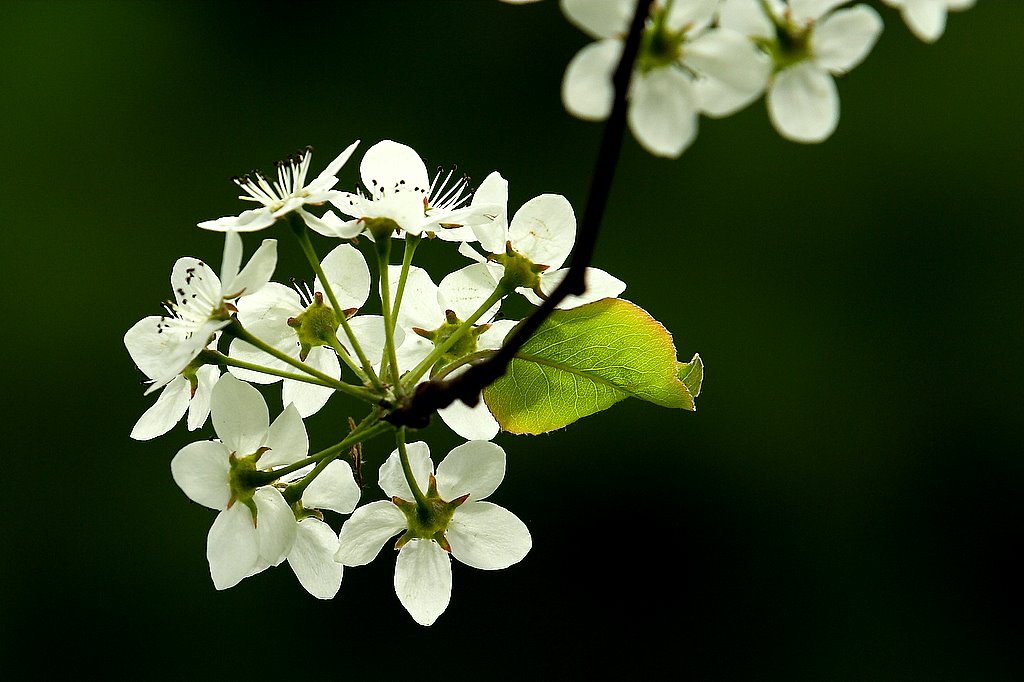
(586, 359)
(692, 374)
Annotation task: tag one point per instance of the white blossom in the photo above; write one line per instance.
(255, 528)
(397, 188)
(165, 346)
(686, 66)
(478, 533)
(927, 18)
(266, 315)
(290, 192)
(542, 230)
(809, 44)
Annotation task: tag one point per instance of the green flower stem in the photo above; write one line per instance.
(302, 233)
(403, 456)
(238, 331)
(215, 357)
(383, 249)
(426, 363)
(343, 353)
(293, 493)
(411, 242)
(464, 360)
(361, 433)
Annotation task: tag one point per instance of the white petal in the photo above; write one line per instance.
(692, 15)
(419, 299)
(465, 290)
(733, 70)
(844, 38)
(309, 398)
(390, 167)
(199, 406)
(201, 470)
(925, 18)
(587, 90)
(247, 221)
(240, 415)
(746, 17)
(232, 547)
(232, 259)
(484, 535)
(286, 439)
(148, 347)
(494, 337)
(599, 18)
(168, 409)
(472, 423)
(275, 525)
(803, 103)
(663, 111)
(391, 477)
(599, 285)
(423, 580)
(544, 230)
(366, 531)
(240, 350)
(413, 351)
(369, 330)
(312, 558)
(257, 271)
(492, 234)
(475, 468)
(334, 488)
(192, 278)
(348, 275)
(271, 302)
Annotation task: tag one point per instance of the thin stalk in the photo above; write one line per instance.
(411, 242)
(238, 331)
(383, 250)
(301, 232)
(403, 456)
(218, 358)
(356, 436)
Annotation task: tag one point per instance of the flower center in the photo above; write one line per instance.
(291, 181)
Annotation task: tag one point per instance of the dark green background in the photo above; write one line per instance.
(844, 505)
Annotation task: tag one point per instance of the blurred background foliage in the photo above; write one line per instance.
(844, 505)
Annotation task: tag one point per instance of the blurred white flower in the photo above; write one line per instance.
(685, 67)
(927, 18)
(477, 533)
(809, 44)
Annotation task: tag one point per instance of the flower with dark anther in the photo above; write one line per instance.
(399, 194)
(685, 67)
(256, 527)
(450, 520)
(927, 18)
(164, 347)
(530, 250)
(430, 314)
(308, 337)
(289, 193)
(808, 43)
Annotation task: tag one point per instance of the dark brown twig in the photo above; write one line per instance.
(431, 396)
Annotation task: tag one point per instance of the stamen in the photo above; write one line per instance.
(446, 198)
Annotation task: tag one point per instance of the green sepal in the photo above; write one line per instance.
(316, 326)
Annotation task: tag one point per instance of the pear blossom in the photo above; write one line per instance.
(809, 43)
(255, 527)
(477, 533)
(543, 230)
(289, 193)
(429, 311)
(685, 67)
(267, 315)
(165, 346)
(927, 18)
(398, 189)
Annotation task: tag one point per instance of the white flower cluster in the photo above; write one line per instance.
(316, 340)
(715, 57)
